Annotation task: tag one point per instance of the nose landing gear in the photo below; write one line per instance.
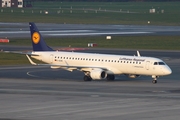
(154, 81)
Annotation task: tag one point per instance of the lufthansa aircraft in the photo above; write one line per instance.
(95, 66)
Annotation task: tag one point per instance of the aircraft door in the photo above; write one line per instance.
(147, 65)
(51, 58)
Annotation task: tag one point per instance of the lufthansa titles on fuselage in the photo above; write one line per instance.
(132, 59)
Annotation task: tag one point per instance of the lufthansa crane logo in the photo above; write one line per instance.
(36, 37)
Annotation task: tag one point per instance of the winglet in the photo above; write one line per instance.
(33, 63)
(138, 54)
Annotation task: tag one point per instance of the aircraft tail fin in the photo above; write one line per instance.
(38, 42)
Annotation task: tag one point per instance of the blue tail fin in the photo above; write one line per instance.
(37, 41)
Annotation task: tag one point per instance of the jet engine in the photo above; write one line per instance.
(133, 76)
(98, 74)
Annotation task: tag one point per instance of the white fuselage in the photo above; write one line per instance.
(114, 64)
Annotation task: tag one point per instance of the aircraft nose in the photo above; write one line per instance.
(167, 71)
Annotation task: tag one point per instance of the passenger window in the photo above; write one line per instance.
(155, 63)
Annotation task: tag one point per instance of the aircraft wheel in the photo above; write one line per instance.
(110, 77)
(154, 81)
(87, 78)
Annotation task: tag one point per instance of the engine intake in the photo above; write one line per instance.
(98, 74)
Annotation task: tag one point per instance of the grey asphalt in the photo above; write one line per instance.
(21, 30)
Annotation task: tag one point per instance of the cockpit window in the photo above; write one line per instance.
(159, 63)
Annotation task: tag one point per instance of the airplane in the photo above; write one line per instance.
(95, 66)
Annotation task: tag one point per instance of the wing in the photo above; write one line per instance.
(21, 52)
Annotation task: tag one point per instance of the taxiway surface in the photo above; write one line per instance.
(21, 30)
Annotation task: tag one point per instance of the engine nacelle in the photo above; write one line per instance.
(133, 76)
(98, 74)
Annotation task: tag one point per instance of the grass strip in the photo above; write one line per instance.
(96, 13)
(121, 42)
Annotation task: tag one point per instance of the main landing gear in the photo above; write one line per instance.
(87, 78)
(110, 77)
